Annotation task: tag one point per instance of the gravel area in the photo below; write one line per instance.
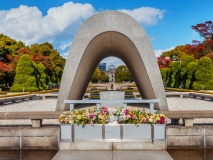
(174, 103)
(32, 105)
(191, 104)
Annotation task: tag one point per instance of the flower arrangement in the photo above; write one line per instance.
(138, 116)
(85, 116)
(102, 116)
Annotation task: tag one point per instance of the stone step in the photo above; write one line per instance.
(112, 155)
(109, 145)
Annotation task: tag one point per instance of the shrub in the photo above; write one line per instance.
(24, 75)
(174, 77)
(204, 75)
(191, 68)
(184, 70)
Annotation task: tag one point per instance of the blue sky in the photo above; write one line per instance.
(167, 22)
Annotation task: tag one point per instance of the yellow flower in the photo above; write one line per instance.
(141, 116)
(79, 116)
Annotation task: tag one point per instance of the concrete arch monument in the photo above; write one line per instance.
(111, 33)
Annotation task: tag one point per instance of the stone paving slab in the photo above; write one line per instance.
(112, 155)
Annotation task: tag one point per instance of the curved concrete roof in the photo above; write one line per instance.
(111, 33)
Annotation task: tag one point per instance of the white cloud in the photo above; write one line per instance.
(64, 46)
(60, 23)
(145, 15)
(160, 51)
(27, 23)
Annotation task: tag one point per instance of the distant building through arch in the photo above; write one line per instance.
(111, 33)
(111, 73)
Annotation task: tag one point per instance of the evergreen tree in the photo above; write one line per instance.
(164, 73)
(204, 74)
(25, 76)
(174, 77)
(122, 73)
(41, 76)
(191, 68)
(183, 68)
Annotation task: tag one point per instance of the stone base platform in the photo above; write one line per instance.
(113, 145)
(26, 137)
(112, 155)
(197, 136)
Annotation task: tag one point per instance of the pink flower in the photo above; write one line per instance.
(126, 112)
(161, 121)
(104, 110)
(132, 116)
(91, 116)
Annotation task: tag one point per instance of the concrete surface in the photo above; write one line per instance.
(26, 137)
(115, 155)
(111, 33)
(112, 145)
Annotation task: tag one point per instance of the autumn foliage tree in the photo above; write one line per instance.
(199, 49)
(204, 29)
(176, 54)
(163, 62)
(11, 50)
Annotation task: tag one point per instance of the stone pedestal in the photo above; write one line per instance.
(112, 95)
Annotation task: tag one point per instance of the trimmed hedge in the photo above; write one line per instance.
(204, 75)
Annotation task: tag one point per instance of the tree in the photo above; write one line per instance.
(200, 49)
(163, 62)
(196, 49)
(103, 77)
(176, 54)
(122, 73)
(55, 70)
(204, 29)
(210, 55)
(40, 76)
(204, 75)
(25, 75)
(95, 75)
(183, 68)
(11, 50)
(174, 77)
(164, 74)
(191, 68)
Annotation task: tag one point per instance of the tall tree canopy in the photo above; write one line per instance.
(99, 76)
(122, 73)
(11, 50)
(204, 29)
(176, 54)
(25, 75)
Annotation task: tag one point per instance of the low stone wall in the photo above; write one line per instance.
(24, 137)
(47, 137)
(197, 136)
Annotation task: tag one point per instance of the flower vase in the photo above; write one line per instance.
(88, 132)
(159, 131)
(112, 131)
(139, 132)
(66, 131)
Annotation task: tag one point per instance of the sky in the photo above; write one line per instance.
(166, 22)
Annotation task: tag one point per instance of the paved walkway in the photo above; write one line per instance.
(112, 155)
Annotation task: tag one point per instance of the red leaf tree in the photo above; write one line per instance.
(205, 29)
(163, 62)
